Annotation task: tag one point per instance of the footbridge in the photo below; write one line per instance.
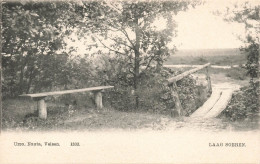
(220, 94)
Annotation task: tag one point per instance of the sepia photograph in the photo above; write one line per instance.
(130, 81)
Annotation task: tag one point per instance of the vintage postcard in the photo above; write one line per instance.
(138, 81)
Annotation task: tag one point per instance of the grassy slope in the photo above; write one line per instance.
(215, 57)
(223, 57)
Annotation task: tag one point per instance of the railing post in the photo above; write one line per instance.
(209, 88)
(98, 99)
(41, 107)
(176, 100)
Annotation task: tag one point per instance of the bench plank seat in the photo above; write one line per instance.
(44, 94)
(41, 104)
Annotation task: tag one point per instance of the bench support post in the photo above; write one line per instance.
(209, 88)
(41, 107)
(98, 99)
(176, 100)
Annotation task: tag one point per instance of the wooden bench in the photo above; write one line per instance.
(41, 105)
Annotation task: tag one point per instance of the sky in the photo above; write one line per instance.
(199, 28)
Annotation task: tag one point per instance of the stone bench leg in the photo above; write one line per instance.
(98, 99)
(41, 107)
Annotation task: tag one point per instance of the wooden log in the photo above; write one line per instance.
(41, 107)
(98, 99)
(209, 87)
(180, 76)
(176, 100)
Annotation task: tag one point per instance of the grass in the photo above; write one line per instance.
(243, 125)
(226, 57)
(20, 114)
(218, 59)
(236, 73)
(17, 109)
(78, 118)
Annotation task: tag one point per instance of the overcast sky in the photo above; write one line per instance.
(199, 28)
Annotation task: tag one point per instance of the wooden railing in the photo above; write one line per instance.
(172, 84)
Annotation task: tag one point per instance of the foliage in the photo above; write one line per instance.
(248, 14)
(237, 73)
(192, 96)
(252, 51)
(154, 94)
(126, 29)
(34, 55)
(244, 104)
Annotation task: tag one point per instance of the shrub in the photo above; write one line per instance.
(237, 73)
(154, 93)
(192, 96)
(244, 104)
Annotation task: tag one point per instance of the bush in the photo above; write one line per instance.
(244, 104)
(154, 93)
(237, 73)
(192, 96)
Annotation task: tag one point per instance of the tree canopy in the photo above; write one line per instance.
(127, 29)
(248, 14)
(33, 44)
(36, 56)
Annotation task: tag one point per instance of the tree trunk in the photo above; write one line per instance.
(21, 80)
(21, 83)
(137, 62)
(30, 82)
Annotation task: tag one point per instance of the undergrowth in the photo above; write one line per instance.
(244, 105)
(155, 94)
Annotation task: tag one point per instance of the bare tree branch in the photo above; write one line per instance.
(149, 63)
(109, 47)
(127, 36)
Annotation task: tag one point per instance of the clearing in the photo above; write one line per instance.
(17, 114)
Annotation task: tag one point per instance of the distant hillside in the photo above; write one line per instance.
(208, 52)
(213, 56)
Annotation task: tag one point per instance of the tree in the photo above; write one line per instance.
(33, 43)
(249, 15)
(244, 105)
(127, 30)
